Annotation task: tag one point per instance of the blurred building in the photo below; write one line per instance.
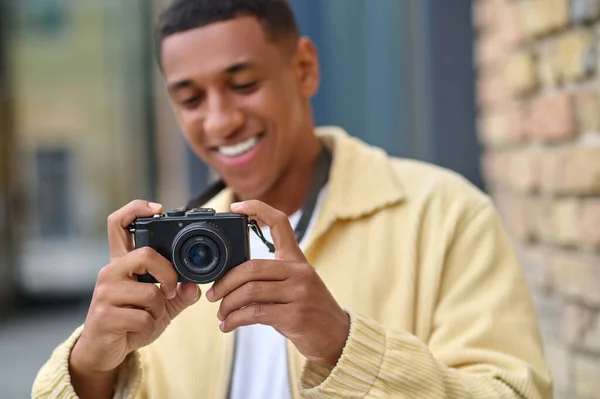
(87, 127)
(82, 121)
(539, 118)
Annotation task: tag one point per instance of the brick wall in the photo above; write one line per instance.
(539, 120)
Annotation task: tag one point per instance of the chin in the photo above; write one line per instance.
(249, 188)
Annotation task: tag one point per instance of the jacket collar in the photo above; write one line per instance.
(361, 181)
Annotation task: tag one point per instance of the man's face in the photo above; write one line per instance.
(241, 99)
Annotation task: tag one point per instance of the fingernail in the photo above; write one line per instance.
(210, 294)
(168, 291)
(221, 326)
(154, 205)
(237, 204)
(197, 297)
(219, 315)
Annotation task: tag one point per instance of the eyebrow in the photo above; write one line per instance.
(231, 70)
(240, 66)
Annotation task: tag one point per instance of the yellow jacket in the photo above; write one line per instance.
(419, 259)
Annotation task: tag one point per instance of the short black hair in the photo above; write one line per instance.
(276, 17)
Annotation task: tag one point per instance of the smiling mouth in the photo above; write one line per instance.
(238, 149)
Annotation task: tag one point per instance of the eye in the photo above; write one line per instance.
(190, 102)
(245, 87)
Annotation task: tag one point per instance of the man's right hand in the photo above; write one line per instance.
(124, 314)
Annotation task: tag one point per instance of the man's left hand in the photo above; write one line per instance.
(285, 293)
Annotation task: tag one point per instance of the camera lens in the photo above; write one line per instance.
(200, 255)
(201, 252)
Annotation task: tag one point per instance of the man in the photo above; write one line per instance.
(404, 284)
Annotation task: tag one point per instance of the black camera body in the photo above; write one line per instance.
(201, 244)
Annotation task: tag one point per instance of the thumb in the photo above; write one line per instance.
(187, 294)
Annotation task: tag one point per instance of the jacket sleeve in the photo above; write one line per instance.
(53, 380)
(484, 342)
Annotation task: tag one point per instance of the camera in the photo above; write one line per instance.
(201, 244)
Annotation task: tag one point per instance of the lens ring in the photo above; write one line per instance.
(210, 235)
(200, 255)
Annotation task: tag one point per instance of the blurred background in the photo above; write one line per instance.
(504, 92)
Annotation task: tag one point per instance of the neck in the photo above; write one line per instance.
(290, 191)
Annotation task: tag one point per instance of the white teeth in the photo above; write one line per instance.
(238, 149)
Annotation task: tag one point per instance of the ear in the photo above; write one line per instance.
(307, 67)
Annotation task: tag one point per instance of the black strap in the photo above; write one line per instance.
(209, 192)
(319, 180)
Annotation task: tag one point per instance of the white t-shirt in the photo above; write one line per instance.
(260, 368)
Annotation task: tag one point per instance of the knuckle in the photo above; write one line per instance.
(112, 219)
(280, 217)
(302, 292)
(258, 311)
(304, 270)
(101, 293)
(147, 253)
(253, 288)
(104, 273)
(145, 320)
(136, 203)
(101, 312)
(152, 294)
(255, 266)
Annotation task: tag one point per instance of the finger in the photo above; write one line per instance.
(266, 292)
(147, 297)
(284, 239)
(124, 320)
(252, 270)
(187, 295)
(147, 260)
(266, 314)
(119, 238)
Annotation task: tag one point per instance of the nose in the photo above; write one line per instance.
(222, 117)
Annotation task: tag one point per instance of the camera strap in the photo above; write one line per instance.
(319, 180)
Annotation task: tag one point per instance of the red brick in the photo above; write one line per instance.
(491, 91)
(575, 55)
(491, 172)
(507, 24)
(590, 223)
(524, 170)
(502, 127)
(570, 170)
(541, 214)
(588, 110)
(565, 218)
(546, 66)
(489, 50)
(578, 276)
(484, 11)
(520, 73)
(552, 117)
(552, 170)
(582, 171)
(516, 213)
(540, 17)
